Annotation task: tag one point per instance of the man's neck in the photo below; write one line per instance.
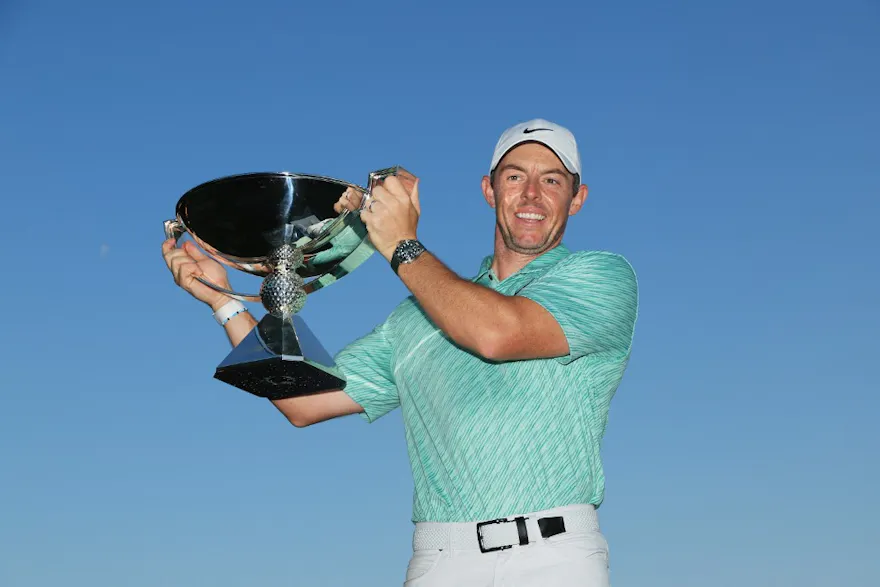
(506, 262)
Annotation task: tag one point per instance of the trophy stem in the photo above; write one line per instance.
(280, 358)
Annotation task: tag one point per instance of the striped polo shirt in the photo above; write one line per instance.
(492, 439)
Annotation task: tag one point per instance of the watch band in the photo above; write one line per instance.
(407, 251)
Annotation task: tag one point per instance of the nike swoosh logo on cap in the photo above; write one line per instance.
(531, 130)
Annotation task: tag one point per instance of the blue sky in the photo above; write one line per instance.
(732, 155)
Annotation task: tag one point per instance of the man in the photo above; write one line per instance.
(504, 380)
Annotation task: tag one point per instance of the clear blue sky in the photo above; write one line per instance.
(732, 154)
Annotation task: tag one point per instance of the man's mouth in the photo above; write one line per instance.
(530, 216)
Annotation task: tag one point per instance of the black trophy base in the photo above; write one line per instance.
(280, 359)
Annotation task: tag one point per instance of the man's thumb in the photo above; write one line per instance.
(414, 196)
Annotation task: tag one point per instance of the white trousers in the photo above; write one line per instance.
(450, 555)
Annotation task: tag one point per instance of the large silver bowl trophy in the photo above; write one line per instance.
(289, 229)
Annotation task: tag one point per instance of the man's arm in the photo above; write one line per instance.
(303, 410)
(492, 325)
(186, 264)
(585, 304)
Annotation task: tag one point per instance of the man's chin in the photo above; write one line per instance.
(528, 246)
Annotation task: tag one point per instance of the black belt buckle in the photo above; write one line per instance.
(520, 526)
(551, 526)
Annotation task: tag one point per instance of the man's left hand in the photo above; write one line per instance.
(392, 213)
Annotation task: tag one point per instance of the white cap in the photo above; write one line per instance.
(557, 138)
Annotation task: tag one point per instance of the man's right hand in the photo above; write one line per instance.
(188, 262)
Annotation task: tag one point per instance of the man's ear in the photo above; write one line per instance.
(488, 191)
(578, 200)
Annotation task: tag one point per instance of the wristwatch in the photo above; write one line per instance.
(407, 251)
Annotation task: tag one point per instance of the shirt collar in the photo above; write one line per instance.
(540, 263)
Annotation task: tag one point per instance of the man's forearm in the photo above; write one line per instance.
(470, 314)
(299, 410)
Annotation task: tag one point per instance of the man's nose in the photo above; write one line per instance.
(533, 188)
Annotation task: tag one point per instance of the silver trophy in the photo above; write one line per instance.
(298, 232)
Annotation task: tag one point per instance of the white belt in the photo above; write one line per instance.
(504, 533)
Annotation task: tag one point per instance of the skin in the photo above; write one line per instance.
(530, 179)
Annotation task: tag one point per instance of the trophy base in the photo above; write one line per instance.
(280, 359)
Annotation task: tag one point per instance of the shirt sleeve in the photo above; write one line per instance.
(594, 298)
(366, 365)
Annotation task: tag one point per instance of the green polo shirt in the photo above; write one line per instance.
(492, 439)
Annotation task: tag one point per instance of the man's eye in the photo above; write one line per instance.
(552, 180)
(512, 177)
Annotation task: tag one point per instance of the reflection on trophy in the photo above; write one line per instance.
(300, 233)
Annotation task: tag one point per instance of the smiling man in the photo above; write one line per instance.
(504, 379)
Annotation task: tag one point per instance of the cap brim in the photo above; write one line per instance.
(569, 165)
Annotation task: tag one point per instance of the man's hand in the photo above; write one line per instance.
(350, 200)
(392, 214)
(188, 262)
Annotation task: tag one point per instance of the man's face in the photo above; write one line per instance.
(533, 195)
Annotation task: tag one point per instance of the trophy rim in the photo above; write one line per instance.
(267, 174)
(290, 174)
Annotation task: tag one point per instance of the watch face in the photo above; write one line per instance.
(407, 251)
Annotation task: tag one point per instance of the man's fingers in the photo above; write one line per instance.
(374, 215)
(395, 187)
(390, 200)
(352, 204)
(168, 246)
(182, 267)
(396, 190)
(188, 273)
(170, 251)
(379, 192)
(352, 198)
(384, 190)
(390, 184)
(178, 262)
(174, 254)
(375, 207)
(194, 252)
